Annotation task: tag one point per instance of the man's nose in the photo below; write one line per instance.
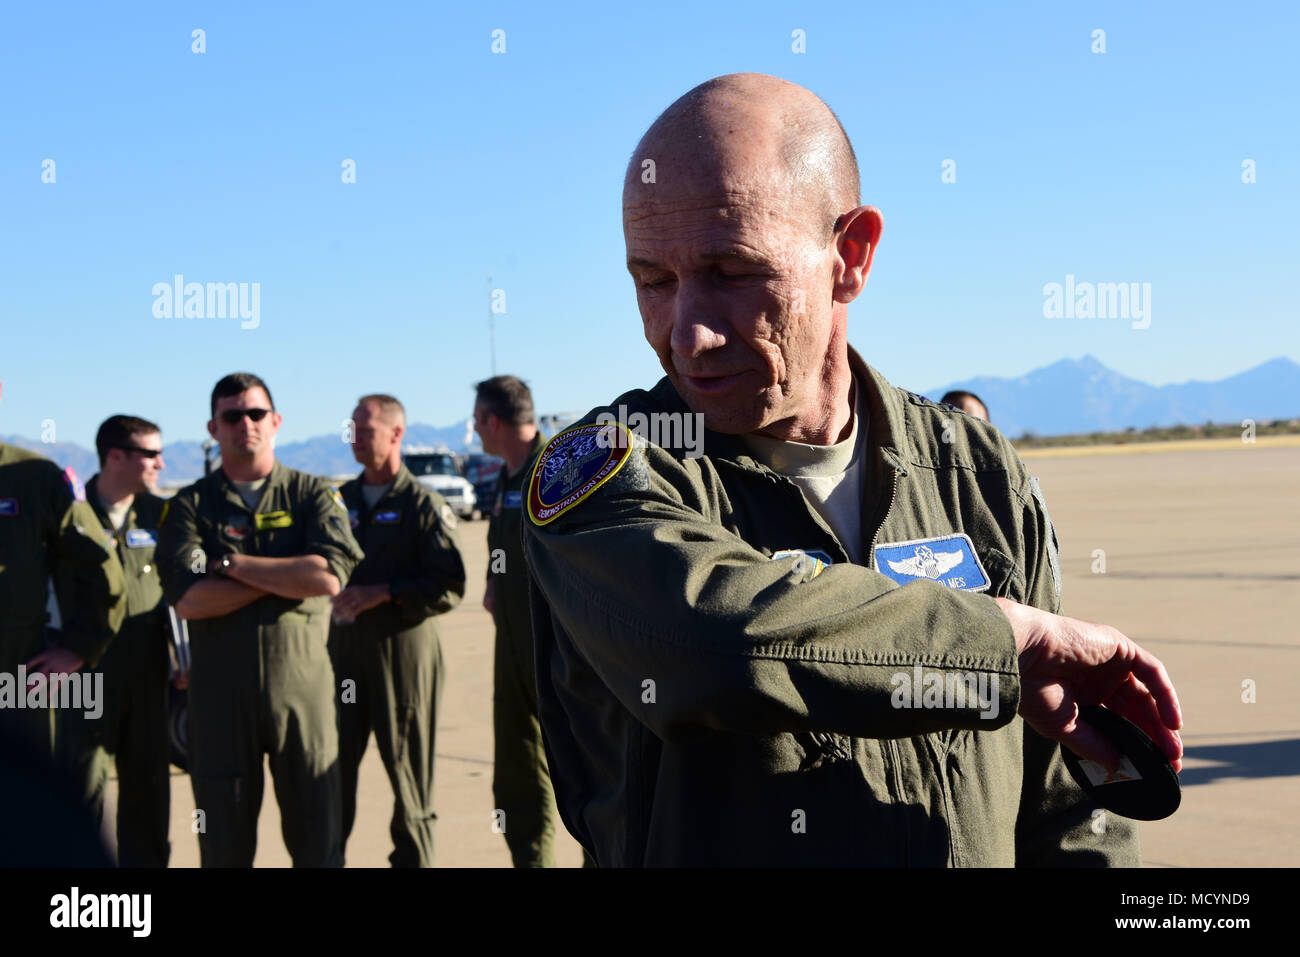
(697, 323)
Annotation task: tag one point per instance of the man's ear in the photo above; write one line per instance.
(857, 234)
(212, 427)
(398, 432)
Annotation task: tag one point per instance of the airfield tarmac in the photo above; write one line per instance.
(1201, 564)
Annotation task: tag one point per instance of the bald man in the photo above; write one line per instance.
(831, 638)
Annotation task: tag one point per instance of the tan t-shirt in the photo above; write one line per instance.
(831, 476)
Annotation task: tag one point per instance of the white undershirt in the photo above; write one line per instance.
(250, 492)
(116, 513)
(831, 476)
(373, 493)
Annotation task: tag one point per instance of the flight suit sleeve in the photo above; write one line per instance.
(691, 627)
(93, 603)
(179, 553)
(329, 534)
(439, 583)
(1058, 824)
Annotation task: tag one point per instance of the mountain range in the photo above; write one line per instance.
(1069, 396)
(1082, 395)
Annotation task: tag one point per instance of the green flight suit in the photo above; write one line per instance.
(260, 677)
(711, 696)
(393, 654)
(48, 530)
(133, 725)
(521, 779)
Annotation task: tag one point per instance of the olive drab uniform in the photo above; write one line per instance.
(260, 677)
(719, 684)
(521, 779)
(48, 530)
(390, 658)
(133, 725)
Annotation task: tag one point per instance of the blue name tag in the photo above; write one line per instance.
(140, 538)
(949, 560)
(8, 506)
(386, 518)
(514, 499)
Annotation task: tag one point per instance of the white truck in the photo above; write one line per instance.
(440, 470)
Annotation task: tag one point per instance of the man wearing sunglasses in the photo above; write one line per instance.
(133, 724)
(251, 555)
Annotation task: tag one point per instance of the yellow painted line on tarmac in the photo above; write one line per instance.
(1175, 445)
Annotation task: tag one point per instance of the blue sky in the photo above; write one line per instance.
(225, 166)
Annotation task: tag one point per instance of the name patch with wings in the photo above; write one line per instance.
(949, 560)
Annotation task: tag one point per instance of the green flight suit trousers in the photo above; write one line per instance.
(399, 678)
(131, 732)
(270, 691)
(521, 780)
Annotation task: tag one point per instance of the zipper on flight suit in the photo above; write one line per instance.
(889, 754)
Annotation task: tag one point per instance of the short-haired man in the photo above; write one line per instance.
(385, 635)
(967, 402)
(132, 725)
(729, 671)
(521, 779)
(47, 530)
(251, 554)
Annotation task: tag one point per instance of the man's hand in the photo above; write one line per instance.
(56, 661)
(355, 599)
(489, 600)
(1065, 663)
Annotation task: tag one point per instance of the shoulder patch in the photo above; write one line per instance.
(573, 465)
(162, 517)
(447, 515)
(74, 484)
(947, 559)
(338, 499)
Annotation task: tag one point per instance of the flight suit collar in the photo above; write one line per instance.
(402, 483)
(279, 475)
(92, 498)
(886, 462)
(885, 434)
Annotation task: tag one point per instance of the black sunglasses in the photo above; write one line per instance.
(233, 416)
(147, 453)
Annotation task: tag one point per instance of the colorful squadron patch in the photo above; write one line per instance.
(573, 465)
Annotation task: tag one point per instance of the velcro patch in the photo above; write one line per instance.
(8, 507)
(514, 499)
(354, 518)
(948, 559)
(820, 560)
(390, 517)
(573, 465)
(74, 484)
(267, 520)
(236, 526)
(140, 538)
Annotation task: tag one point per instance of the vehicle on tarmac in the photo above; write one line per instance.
(441, 471)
